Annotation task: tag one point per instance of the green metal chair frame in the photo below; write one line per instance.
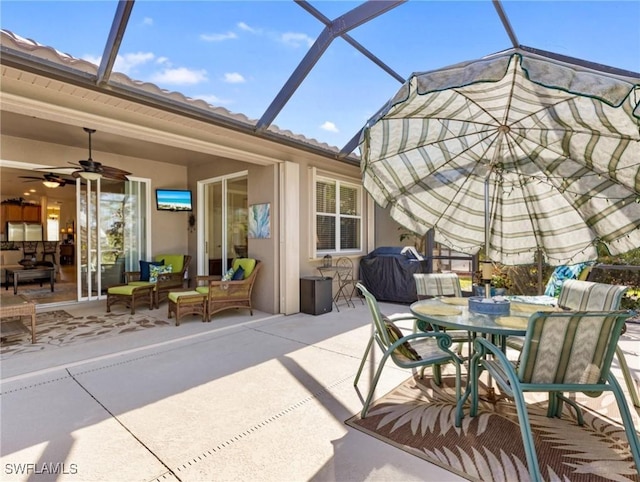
(577, 295)
(562, 352)
(587, 296)
(432, 285)
(432, 348)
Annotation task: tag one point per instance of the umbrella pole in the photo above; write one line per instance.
(487, 266)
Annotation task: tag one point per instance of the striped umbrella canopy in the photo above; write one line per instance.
(521, 151)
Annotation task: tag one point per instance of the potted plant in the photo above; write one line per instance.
(500, 282)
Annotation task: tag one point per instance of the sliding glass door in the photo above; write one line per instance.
(111, 232)
(224, 222)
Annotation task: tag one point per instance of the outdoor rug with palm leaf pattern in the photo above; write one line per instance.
(418, 417)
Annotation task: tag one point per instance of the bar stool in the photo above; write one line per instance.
(29, 249)
(50, 248)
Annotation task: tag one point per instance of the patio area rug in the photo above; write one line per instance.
(418, 417)
(58, 328)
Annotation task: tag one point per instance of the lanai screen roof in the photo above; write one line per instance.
(311, 71)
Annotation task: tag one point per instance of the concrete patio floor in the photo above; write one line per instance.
(260, 398)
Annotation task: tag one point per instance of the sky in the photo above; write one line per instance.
(239, 54)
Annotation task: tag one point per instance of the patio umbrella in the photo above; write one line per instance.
(520, 152)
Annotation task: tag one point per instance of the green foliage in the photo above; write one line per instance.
(415, 239)
(115, 237)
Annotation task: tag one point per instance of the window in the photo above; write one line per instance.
(338, 216)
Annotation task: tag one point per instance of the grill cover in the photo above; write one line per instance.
(388, 274)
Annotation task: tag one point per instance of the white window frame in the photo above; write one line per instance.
(316, 177)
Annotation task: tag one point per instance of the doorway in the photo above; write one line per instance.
(223, 224)
(112, 232)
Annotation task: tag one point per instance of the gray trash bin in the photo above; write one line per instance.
(316, 295)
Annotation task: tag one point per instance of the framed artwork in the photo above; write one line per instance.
(260, 221)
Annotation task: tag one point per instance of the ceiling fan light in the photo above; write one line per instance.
(51, 184)
(90, 176)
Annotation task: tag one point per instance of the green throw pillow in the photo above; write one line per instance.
(154, 271)
(394, 335)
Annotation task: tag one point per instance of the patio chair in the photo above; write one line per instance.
(577, 295)
(563, 352)
(171, 278)
(432, 285)
(414, 350)
(228, 294)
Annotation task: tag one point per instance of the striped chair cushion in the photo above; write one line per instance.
(578, 295)
(437, 284)
(567, 349)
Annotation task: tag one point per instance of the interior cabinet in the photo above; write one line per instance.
(11, 212)
(28, 213)
(31, 213)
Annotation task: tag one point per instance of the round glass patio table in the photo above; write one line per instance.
(467, 320)
(474, 323)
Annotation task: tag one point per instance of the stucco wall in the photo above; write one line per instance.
(387, 232)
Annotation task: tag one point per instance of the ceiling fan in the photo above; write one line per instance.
(94, 170)
(49, 180)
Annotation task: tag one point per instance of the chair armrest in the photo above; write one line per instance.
(220, 282)
(131, 276)
(401, 317)
(206, 279)
(169, 280)
(224, 289)
(443, 340)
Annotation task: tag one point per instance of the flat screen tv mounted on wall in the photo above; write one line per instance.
(174, 200)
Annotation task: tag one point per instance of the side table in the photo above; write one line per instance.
(18, 306)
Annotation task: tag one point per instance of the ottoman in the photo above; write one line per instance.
(130, 296)
(187, 303)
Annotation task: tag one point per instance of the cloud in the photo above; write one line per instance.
(246, 28)
(213, 99)
(147, 21)
(126, 63)
(329, 126)
(180, 76)
(296, 39)
(218, 37)
(91, 58)
(234, 78)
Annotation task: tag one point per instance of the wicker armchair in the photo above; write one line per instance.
(226, 295)
(166, 282)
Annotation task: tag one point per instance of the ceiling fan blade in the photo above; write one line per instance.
(54, 168)
(32, 178)
(115, 173)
